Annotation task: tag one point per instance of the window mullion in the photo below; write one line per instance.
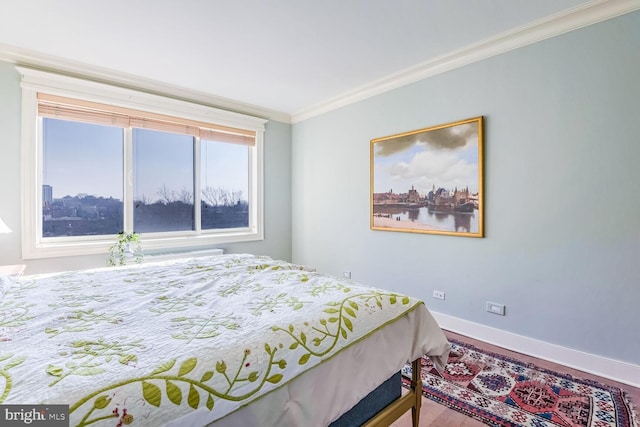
(128, 180)
(197, 211)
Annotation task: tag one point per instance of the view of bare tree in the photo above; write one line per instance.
(167, 196)
(218, 196)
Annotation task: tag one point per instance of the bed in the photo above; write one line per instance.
(223, 340)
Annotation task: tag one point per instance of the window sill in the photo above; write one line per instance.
(149, 243)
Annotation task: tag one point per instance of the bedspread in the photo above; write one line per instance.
(146, 344)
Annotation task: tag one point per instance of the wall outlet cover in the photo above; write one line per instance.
(495, 308)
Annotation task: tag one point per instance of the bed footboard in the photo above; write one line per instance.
(410, 400)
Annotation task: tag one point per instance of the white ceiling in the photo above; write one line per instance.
(282, 55)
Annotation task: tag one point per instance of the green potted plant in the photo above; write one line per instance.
(126, 246)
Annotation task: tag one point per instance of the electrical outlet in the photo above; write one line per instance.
(346, 274)
(495, 308)
(438, 294)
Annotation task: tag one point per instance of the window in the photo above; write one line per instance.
(98, 160)
(224, 189)
(83, 176)
(163, 188)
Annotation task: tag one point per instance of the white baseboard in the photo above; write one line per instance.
(616, 370)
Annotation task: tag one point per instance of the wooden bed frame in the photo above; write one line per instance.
(409, 400)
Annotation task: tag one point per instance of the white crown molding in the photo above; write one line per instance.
(65, 85)
(550, 26)
(57, 65)
(589, 13)
(616, 370)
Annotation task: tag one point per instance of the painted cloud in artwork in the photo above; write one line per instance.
(446, 157)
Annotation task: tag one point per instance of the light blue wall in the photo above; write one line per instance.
(277, 194)
(562, 204)
(277, 182)
(10, 162)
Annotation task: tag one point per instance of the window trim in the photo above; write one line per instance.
(35, 246)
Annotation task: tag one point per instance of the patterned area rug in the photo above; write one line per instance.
(500, 391)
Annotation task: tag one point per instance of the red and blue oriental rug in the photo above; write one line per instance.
(500, 391)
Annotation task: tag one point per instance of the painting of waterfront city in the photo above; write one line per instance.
(429, 180)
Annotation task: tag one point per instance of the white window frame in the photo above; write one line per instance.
(35, 246)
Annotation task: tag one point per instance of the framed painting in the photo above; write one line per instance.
(429, 180)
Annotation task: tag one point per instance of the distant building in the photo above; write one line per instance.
(387, 198)
(47, 195)
(451, 201)
(413, 196)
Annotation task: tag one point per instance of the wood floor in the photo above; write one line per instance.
(435, 415)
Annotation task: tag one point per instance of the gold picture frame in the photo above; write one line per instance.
(429, 180)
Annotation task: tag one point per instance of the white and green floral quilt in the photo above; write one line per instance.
(145, 344)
